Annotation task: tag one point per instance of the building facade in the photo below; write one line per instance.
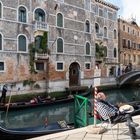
(106, 35)
(52, 43)
(129, 43)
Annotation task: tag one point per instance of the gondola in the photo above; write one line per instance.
(24, 105)
(30, 132)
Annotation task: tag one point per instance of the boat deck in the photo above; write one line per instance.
(86, 133)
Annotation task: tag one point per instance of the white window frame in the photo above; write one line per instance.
(34, 13)
(1, 42)
(106, 32)
(26, 13)
(89, 26)
(40, 70)
(26, 43)
(4, 66)
(56, 46)
(114, 34)
(90, 48)
(89, 64)
(62, 19)
(98, 27)
(62, 64)
(1, 10)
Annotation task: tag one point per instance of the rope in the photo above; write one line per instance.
(95, 107)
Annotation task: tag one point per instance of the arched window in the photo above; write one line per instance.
(22, 14)
(124, 59)
(38, 41)
(123, 27)
(0, 10)
(115, 34)
(105, 32)
(60, 45)
(39, 15)
(96, 28)
(87, 26)
(87, 48)
(0, 42)
(115, 52)
(129, 44)
(22, 43)
(59, 20)
(105, 51)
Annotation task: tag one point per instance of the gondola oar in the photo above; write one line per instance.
(8, 105)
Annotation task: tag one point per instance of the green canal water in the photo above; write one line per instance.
(36, 116)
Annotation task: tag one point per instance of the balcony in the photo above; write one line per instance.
(41, 56)
(42, 26)
(99, 35)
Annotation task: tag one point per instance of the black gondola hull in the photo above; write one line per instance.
(30, 132)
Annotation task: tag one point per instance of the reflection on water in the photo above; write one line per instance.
(124, 95)
(36, 116)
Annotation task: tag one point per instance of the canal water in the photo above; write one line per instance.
(36, 116)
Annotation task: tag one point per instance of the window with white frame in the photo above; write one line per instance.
(0, 42)
(22, 14)
(87, 26)
(105, 51)
(105, 32)
(123, 27)
(115, 52)
(96, 27)
(60, 45)
(39, 15)
(115, 34)
(2, 67)
(129, 44)
(1, 8)
(22, 43)
(59, 66)
(38, 41)
(124, 43)
(87, 48)
(59, 20)
(128, 29)
(87, 65)
(40, 66)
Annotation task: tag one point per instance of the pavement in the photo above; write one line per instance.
(89, 133)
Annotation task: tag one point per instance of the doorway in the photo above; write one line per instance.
(74, 74)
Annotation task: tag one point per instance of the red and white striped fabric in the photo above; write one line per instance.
(95, 102)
